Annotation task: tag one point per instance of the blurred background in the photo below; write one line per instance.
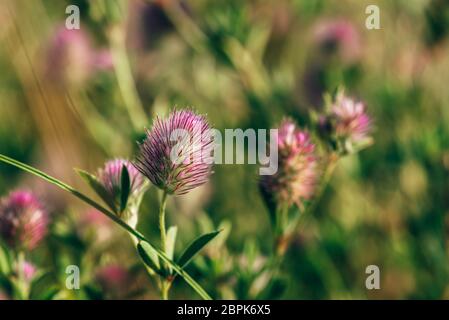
(72, 99)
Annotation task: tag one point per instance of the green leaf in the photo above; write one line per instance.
(93, 293)
(93, 182)
(41, 285)
(187, 278)
(149, 256)
(170, 243)
(226, 228)
(195, 247)
(5, 261)
(6, 283)
(50, 294)
(125, 188)
(274, 290)
(182, 273)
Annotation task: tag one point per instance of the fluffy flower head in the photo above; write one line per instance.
(110, 176)
(351, 119)
(23, 221)
(176, 154)
(297, 175)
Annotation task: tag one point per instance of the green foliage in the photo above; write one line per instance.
(246, 64)
(191, 250)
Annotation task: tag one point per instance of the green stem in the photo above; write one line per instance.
(280, 228)
(22, 284)
(164, 283)
(279, 246)
(162, 220)
(125, 79)
(328, 172)
(164, 289)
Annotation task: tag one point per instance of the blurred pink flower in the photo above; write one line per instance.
(23, 221)
(29, 270)
(71, 57)
(351, 120)
(94, 220)
(113, 278)
(338, 35)
(297, 175)
(102, 60)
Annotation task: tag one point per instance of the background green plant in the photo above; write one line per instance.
(244, 64)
